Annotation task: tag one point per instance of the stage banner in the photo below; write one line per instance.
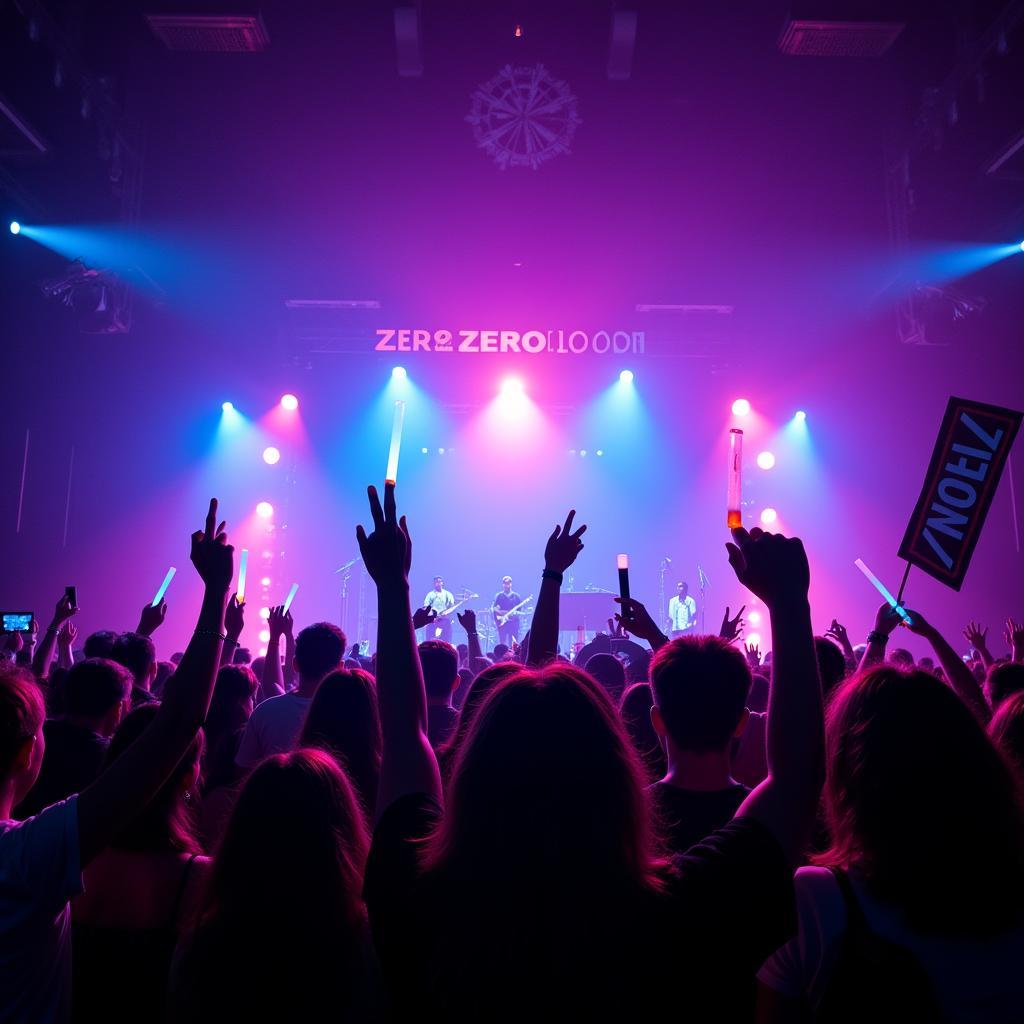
(973, 444)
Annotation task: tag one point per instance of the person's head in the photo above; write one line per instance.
(506, 584)
(700, 687)
(901, 657)
(99, 644)
(22, 713)
(1007, 732)
(1003, 681)
(166, 822)
(635, 710)
(438, 583)
(440, 663)
(546, 790)
(926, 664)
(831, 665)
(257, 666)
(343, 721)
(98, 694)
(242, 656)
(234, 694)
(177, 656)
(463, 652)
(500, 651)
(319, 649)
(164, 671)
(941, 836)
(609, 672)
(682, 589)
(760, 691)
(138, 654)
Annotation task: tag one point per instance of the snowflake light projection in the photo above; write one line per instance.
(523, 117)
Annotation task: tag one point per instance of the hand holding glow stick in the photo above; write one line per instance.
(734, 514)
(622, 562)
(291, 597)
(391, 476)
(243, 565)
(163, 587)
(883, 590)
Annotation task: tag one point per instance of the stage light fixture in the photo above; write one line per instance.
(15, 228)
(754, 639)
(271, 456)
(768, 516)
(264, 635)
(766, 460)
(583, 453)
(1021, 247)
(599, 452)
(511, 386)
(424, 451)
(440, 451)
(754, 617)
(800, 416)
(265, 582)
(626, 376)
(226, 407)
(289, 402)
(399, 373)
(264, 510)
(264, 613)
(741, 407)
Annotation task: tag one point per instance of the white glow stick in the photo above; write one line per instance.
(291, 597)
(883, 590)
(163, 586)
(391, 476)
(243, 564)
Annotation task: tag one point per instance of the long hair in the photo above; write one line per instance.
(288, 875)
(167, 822)
(344, 721)
(547, 786)
(231, 703)
(1007, 732)
(921, 802)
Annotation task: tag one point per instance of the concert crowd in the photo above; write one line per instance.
(662, 823)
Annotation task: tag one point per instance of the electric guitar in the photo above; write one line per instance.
(502, 617)
(458, 604)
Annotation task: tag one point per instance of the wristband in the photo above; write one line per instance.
(874, 637)
(228, 640)
(210, 632)
(275, 640)
(552, 574)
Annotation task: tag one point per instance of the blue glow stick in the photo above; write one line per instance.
(881, 588)
(243, 564)
(163, 586)
(291, 597)
(391, 476)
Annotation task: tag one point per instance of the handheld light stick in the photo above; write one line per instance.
(883, 590)
(734, 515)
(391, 476)
(243, 564)
(291, 597)
(163, 587)
(622, 561)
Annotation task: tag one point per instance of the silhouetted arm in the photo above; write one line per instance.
(560, 552)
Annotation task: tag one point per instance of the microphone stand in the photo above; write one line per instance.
(702, 582)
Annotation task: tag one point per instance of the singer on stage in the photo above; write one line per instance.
(504, 600)
(682, 612)
(439, 600)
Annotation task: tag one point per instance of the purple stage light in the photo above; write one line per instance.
(289, 402)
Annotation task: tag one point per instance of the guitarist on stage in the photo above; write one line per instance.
(504, 601)
(440, 600)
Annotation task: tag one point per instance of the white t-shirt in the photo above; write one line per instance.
(438, 600)
(683, 613)
(973, 982)
(273, 728)
(40, 871)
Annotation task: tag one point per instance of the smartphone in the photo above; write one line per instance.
(17, 622)
(71, 593)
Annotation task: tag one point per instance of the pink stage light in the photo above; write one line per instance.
(289, 402)
(766, 460)
(271, 456)
(741, 407)
(265, 582)
(768, 516)
(511, 386)
(264, 510)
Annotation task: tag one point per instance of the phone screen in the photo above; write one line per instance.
(72, 595)
(17, 622)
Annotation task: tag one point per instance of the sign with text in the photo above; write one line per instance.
(477, 342)
(972, 448)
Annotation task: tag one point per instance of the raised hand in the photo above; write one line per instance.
(771, 566)
(467, 620)
(387, 550)
(234, 617)
(753, 653)
(150, 618)
(279, 623)
(67, 635)
(731, 628)
(1014, 636)
(424, 617)
(62, 611)
(563, 545)
(976, 636)
(887, 619)
(635, 617)
(838, 633)
(212, 555)
(12, 642)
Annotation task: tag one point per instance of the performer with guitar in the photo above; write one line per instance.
(505, 606)
(682, 612)
(439, 601)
